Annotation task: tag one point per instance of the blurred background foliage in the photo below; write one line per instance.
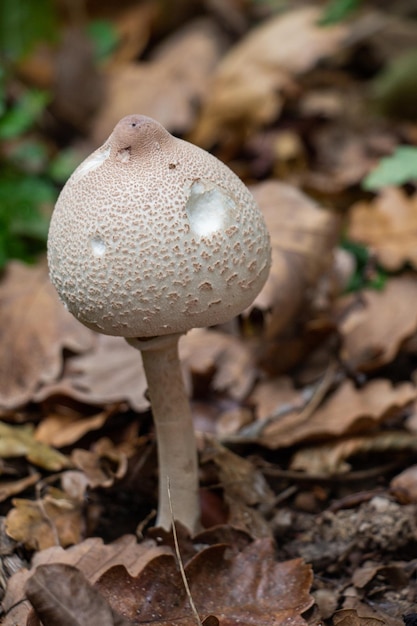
(37, 145)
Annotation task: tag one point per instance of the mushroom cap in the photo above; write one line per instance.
(152, 235)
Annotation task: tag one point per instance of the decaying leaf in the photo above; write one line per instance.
(40, 524)
(378, 322)
(388, 225)
(18, 441)
(104, 464)
(62, 595)
(111, 372)
(13, 487)
(303, 237)
(251, 82)
(245, 489)
(63, 430)
(92, 557)
(263, 593)
(404, 485)
(331, 459)
(349, 617)
(35, 329)
(225, 360)
(347, 410)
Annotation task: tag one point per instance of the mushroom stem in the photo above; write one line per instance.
(177, 450)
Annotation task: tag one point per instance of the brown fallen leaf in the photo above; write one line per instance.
(13, 487)
(349, 617)
(16, 441)
(104, 464)
(404, 485)
(378, 322)
(332, 459)
(62, 595)
(92, 557)
(303, 237)
(251, 82)
(64, 430)
(347, 410)
(52, 520)
(108, 373)
(244, 489)
(388, 225)
(226, 360)
(263, 593)
(35, 330)
(167, 88)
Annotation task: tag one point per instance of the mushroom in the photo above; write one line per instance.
(152, 236)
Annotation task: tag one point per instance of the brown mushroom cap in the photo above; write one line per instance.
(152, 235)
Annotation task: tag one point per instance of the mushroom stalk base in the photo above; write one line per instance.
(177, 450)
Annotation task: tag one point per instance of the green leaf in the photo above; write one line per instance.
(397, 169)
(24, 114)
(338, 10)
(22, 24)
(104, 37)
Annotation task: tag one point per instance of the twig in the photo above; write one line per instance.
(180, 564)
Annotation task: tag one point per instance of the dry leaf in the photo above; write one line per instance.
(226, 360)
(91, 557)
(388, 225)
(331, 459)
(378, 322)
(168, 88)
(404, 485)
(36, 329)
(12, 488)
(63, 430)
(244, 488)
(251, 82)
(39, 524)
(349, 617)
(111, 372)
(18, 441)
(104, 464)
(62, 595)
(347, 410)
(263, 593)
(303, 237)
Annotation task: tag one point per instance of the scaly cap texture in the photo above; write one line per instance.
(152, 235)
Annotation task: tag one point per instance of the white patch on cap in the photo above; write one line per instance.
(98, 246)
(209, 209)
(91, 163)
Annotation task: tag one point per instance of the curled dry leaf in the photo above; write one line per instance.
(244, 488)
(63, 430)
(92, 557)
(168, 88)
(251, 82)
(378, 322)
(62, 595)
(104, 464)
(225, 359)
(263, 593)
(388, 225)
(404, 485)
(16, 441)
(35, 330)
(331, 459)
(347, 410)
(303, 237)
(39, 524)
(110, 372)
